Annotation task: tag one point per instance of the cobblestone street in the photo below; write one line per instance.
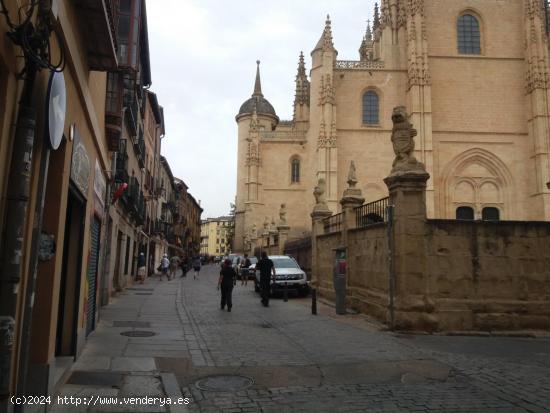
(297, 362)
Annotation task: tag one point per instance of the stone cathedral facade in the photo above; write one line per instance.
(474, 77)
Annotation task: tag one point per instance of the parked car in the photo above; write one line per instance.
(287, 272)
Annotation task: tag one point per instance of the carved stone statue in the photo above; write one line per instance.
(321, 208)
(282, 215)
(254, 230)
(403, 143)
(352, 177)
(319, 192)
(266, 224)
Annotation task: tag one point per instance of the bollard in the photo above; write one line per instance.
(285, 293)
(313, 301)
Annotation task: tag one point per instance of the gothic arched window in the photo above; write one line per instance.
(465, 212)
(295, 171)
(370, 108)
(468, 35)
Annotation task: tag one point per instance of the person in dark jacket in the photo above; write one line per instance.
(228, 278)
(267, 274)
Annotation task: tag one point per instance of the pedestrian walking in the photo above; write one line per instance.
(164, 264)
(141, 268)
(196, 266)
(174, 264)
(267, 273)
(245, 264)
(183, 265)
(228, 278)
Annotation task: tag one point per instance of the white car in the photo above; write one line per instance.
(288, 273)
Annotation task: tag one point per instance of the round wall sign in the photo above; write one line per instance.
(56, 105)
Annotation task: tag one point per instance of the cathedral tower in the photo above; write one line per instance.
(255, 115)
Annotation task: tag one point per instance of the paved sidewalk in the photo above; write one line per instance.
(283, 359)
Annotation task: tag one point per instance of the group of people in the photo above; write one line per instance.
(168, 267)
(228, 279)
(228, 276)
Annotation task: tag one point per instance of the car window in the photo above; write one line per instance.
(284, 263)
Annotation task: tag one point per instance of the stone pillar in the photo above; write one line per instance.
(320, 212)
(283, 237)
(413, 309)
(351, 199)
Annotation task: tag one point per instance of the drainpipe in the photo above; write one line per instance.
(17, 201)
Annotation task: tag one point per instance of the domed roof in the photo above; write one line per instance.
(257, 101)
(263, 107)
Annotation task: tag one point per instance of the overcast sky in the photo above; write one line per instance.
(203, 55)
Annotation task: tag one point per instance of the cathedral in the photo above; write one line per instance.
(474, 77)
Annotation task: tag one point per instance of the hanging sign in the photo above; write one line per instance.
(56, 105)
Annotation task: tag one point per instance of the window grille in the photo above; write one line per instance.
(469, 41)
(370, 108)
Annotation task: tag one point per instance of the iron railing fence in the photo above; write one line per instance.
(333, 223)
(372, 213)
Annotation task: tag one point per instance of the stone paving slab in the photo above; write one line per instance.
(303, 363)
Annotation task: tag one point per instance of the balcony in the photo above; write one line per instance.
(121, 170)
(97, 23)
(132, 113)
(139, 145)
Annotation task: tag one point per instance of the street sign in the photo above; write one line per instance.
(56, 105)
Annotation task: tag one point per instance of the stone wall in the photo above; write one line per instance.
(326, 244)
(368, 280)
(488, 275)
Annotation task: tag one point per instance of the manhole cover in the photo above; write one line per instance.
(224, 383)
(137, 333)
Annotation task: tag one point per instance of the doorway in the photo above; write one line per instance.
(69, 293)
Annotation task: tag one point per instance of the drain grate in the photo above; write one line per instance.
(134, 324)
(93, 378)
(138, 333)
(224, 383)
(266, 325)
(140, 289)
(143, 293)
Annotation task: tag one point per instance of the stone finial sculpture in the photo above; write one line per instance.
(282, 215)
(402, 139)
(352, 176)
(352, 195)
(321, 207)
(319, 192)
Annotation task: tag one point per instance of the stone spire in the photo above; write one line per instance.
(325, 42)
(257, 83)
(368, 33)
(366, 48)
(376, 22)
(302, 84)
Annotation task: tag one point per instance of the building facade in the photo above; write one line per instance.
(473, 75)
(81, 193)
(215, 237)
